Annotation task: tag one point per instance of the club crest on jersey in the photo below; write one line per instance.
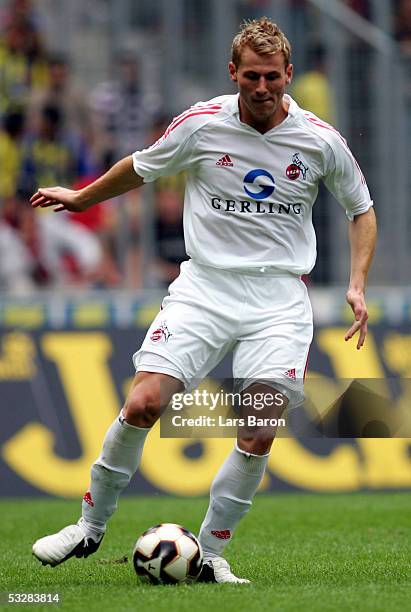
(296, 169)
(161, 334)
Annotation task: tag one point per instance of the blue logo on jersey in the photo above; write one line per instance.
(265, 189)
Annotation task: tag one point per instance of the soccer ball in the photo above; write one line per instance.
(168, 554)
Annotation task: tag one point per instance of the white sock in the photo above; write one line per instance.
(110, 474)
(231, 496)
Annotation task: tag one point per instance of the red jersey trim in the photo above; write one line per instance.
(179, 121)
(329, 127)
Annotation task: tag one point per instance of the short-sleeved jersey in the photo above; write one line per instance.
(249, 196)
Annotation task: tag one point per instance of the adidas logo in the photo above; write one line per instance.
(225, 161)
(88, 499)
(291, 374)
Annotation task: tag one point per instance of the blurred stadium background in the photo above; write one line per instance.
(84, 83)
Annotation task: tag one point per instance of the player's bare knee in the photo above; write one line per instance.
(142, 407)
(150, 394)
(260, 445)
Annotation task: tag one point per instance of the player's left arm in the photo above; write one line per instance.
(362, 235)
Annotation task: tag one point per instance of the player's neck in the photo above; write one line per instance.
(268, 124)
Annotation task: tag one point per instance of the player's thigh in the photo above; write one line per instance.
(277, 356)
(184, 339)
(195, 327)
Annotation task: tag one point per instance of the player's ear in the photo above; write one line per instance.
(233, 71)
(289, 73)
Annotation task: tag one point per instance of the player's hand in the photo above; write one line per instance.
(356, 300)
(59, 197)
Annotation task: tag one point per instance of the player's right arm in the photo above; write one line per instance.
(169, 155)
(119, 179)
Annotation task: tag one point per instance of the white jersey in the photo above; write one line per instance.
(249, 196)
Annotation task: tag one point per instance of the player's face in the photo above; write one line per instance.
(261, 81)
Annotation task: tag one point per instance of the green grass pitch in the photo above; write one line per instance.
(302, 552)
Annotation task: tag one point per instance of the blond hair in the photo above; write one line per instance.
(262, 36)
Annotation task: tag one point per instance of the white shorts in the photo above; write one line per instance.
(265, 320)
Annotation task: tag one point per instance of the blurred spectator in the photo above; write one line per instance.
(403, 25)
(62, 252)
(11, 136)
(16, 262)
(52, 154)
(65, 251)
(62, 94)
(362, 7)
(101, 220)
(312, 89)
(122, 112)
(69, 253)
(22, 65)
(128, 240)
(14, 258)
(169, 238)
(20, 12)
